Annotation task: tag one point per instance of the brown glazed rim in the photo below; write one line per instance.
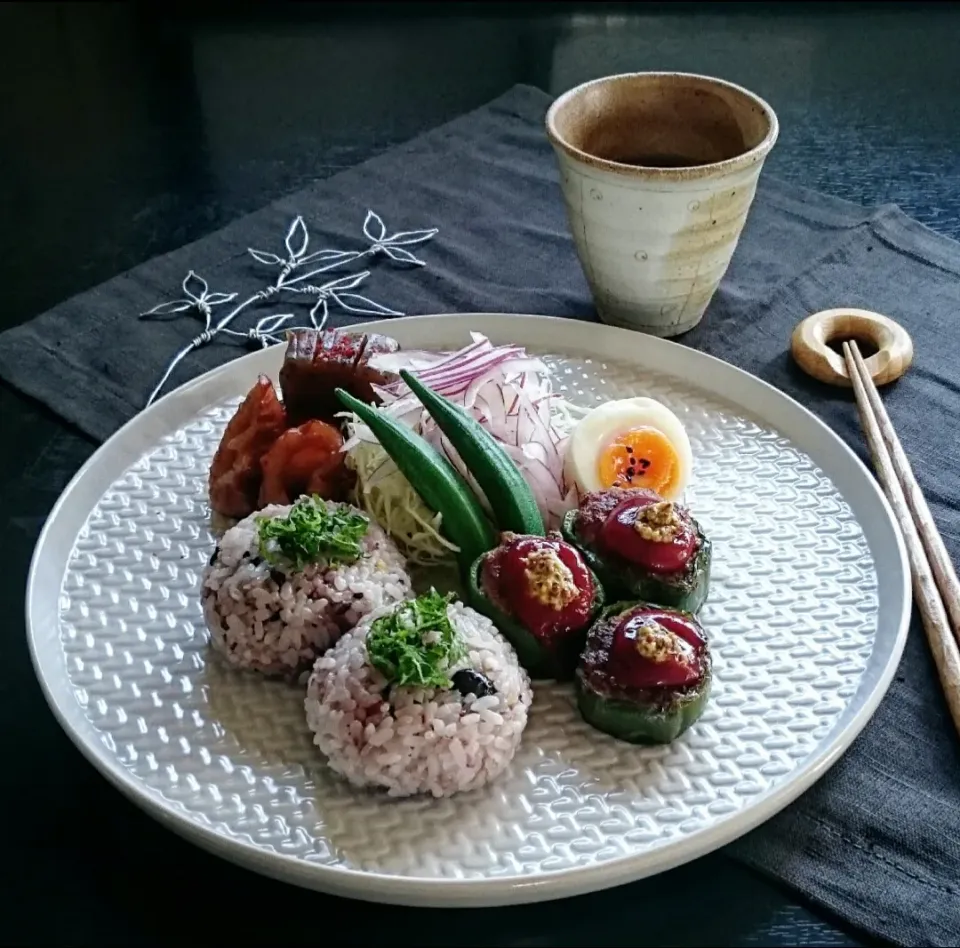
(664, 174)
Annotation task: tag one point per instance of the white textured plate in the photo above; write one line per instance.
(808, 614)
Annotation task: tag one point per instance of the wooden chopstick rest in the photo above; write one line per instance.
(811, 351)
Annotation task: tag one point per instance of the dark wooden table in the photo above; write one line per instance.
(126, 132)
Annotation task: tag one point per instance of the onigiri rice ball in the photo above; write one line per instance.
(277, 621)
(412, 740)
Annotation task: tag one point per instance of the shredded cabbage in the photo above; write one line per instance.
(387, 496)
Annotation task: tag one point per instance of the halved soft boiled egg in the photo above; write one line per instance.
(631, 443)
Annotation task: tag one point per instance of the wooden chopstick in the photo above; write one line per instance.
(940, 562)
(936, 624)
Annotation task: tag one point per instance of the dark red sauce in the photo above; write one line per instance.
(619, 536)
(631, 669)
(319, 361)
(505, 580)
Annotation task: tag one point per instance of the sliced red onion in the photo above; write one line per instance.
(505, 388)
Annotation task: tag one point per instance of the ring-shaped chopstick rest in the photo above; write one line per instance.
(812, 353)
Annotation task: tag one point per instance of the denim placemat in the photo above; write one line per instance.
(877, 840)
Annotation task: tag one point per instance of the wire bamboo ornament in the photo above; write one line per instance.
(292, 283)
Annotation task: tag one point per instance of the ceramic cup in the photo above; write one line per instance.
(658, 172)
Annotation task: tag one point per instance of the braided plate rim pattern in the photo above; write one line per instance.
(808, 616)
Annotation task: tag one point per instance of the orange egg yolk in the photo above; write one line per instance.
(641, 457)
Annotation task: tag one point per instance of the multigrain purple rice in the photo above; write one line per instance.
(276, 623)
(408, 740)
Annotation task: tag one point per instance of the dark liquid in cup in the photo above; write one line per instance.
(660, 161)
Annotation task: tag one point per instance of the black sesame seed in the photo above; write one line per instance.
(255, 561)
(358, 595)
(386, 695)
(214, 555)
(470, 682)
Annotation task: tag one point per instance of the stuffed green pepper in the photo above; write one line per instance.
(642, 547)
(645, 673)
(542, 597)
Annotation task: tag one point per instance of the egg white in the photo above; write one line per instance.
(605, 423)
